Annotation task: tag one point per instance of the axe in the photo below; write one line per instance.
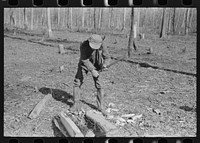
(113, 63)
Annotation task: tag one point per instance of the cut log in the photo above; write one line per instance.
(60, 126)
(38, 108)
(89, 134)
(99, 120)
(70, 126)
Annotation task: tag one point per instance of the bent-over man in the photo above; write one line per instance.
(94, 57)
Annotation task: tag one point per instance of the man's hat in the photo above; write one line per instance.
(95, 41)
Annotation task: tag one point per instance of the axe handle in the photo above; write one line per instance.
(116, 61)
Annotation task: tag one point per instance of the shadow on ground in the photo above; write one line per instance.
(147, 65)
(58, 95)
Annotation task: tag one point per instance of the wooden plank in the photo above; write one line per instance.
(70, 126)
(101, 121)
(38, 108)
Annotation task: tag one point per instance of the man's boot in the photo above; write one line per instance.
(76, 99)
(99, 101)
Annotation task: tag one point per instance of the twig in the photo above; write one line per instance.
(66, 84)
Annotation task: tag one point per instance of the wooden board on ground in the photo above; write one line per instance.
(98, 119)
(70, 126)
(38, 108)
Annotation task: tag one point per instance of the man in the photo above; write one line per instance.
(94, 57)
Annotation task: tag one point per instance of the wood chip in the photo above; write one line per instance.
(111, 105)
(128, 115)
(132, 120)
(108, 110)
(136, 117)
(109, 117)
(120, 119)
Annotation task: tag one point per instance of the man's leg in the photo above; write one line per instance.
(100, 94)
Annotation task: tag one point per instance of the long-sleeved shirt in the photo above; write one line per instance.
(91, 59)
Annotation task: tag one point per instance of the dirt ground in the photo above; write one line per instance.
(161, 86)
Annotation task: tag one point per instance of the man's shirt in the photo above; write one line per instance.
(91, 59)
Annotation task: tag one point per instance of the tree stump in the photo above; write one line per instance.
(61, 68)
(61, 49)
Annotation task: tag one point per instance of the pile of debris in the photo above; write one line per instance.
(87, 123)
(123, 119)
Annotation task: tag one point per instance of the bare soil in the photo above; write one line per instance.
(164, 80)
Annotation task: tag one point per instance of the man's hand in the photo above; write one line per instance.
(95, 73)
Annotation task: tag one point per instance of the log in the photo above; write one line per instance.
(60, 126)
(70, 126)
(38, 108)
(89, 134)
(98, 119)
